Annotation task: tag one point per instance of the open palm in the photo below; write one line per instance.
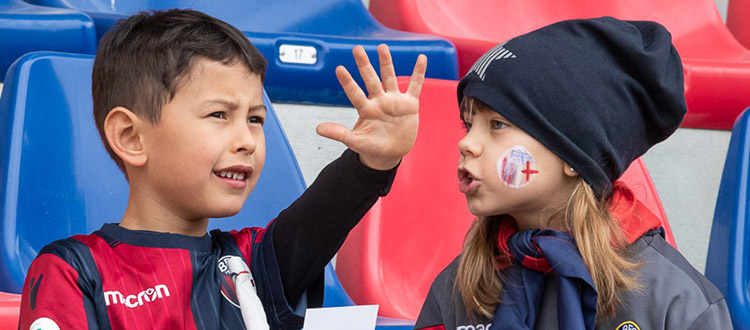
(388, 119)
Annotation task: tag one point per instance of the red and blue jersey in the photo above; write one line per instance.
(117, 278)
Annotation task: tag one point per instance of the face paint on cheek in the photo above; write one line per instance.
(516, 167)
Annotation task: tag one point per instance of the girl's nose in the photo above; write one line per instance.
(469, 146)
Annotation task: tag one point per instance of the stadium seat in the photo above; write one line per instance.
(409, 236)
(59, 181)
(716, 66)
(738, 13)
(728, 259)
(9, 308)
(25, 28)
(303, 41)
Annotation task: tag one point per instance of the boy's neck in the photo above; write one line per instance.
(146, 214)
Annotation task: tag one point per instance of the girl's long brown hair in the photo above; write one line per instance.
(598, 237)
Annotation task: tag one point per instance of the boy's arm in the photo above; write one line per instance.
(309, 233)
(52, 296)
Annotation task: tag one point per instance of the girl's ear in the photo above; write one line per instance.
(123, 130)
(569, 171)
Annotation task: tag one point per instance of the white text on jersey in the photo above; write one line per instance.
(135, 300)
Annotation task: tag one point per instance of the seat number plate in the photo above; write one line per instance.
(298, 54)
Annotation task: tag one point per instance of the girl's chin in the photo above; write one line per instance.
(479, 212)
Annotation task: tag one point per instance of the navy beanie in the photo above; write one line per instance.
(596, 92)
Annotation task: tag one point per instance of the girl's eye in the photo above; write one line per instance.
(496, 124)
(466, 126)
(218, 114)
(256, 120)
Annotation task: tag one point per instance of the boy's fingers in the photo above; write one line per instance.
(417, 77)
(387, 72)
(351, 89)
(369, 76)
(334, 131)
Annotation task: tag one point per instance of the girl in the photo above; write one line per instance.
(552, 119)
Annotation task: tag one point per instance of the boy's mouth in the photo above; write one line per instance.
(237, 172)
(231, 175)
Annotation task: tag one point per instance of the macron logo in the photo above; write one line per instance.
(474, 327)
(496, 53)
(136, 300)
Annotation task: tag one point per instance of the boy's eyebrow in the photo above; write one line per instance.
(233, 105)
(258, 107)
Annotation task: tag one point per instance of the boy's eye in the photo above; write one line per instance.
(256, 120)
(496, 124)
(218, 114)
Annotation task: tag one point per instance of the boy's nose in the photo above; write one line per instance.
(245, 141)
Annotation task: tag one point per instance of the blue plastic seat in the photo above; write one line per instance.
(59, 181)
(25, 28)
(286, 31)
(728, 260)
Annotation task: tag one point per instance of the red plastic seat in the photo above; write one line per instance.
(10, 306)
(409, 236)
(738, 20)
(717, 67)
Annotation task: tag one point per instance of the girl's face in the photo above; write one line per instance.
(503, 170)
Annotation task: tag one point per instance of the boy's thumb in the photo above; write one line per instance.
(333, 131)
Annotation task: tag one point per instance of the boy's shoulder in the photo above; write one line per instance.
(82, 251)
(74, 250)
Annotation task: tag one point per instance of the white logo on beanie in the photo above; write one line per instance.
(496, 53)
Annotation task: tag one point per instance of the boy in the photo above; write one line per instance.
(178, 104)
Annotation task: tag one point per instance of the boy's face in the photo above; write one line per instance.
(207, 152)
(503, 170)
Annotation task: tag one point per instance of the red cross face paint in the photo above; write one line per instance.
(516, 167)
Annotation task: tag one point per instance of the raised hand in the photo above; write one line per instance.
(388, 119)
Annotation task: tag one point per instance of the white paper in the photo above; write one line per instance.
(361, 317)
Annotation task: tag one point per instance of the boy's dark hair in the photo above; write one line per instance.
(142, 60)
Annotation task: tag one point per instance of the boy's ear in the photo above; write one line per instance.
(124, 134)
(569, 171)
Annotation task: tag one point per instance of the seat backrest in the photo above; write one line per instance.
(58, 180)
(502, 20)
(25, 28)
(695, 24)
(410, 235)
(337, 17)
(728, 259)
(738, 20)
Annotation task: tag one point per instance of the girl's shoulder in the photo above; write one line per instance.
(450, 271)
(672, 291)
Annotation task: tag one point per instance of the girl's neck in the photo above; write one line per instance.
(540, 220)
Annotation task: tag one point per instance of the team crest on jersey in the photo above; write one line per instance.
(628, 325)
(44, 323)
(227, 283)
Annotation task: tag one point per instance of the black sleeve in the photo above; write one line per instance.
(310, 231)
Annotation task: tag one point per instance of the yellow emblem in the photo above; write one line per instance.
(628, 325)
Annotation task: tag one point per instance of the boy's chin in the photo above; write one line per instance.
(226, 213)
